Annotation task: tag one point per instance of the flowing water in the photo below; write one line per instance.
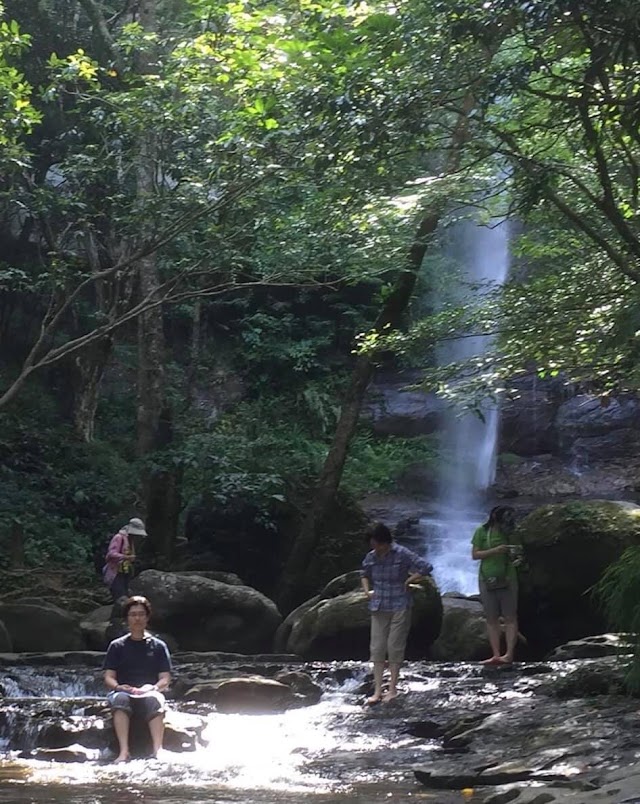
(338, 750)
(469, 441)
(326, 753)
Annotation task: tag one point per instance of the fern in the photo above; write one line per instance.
(618, 592)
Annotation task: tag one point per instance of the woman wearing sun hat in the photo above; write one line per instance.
(120, 558)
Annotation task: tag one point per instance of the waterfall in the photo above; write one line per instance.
(468, 441)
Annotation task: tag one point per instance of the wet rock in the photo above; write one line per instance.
(507, 796)
(338, 628)
(589, 679)
(307, 692)
(556, 605)
(593, 647)
(253, 696)
(182, 731)
(83, 658)
(203, 614)
(425, 729)
(40, 628)
(204, 691)
(88, 732)
(463, 725)
(435, 780)
(72, 753)
(178, 740)
(221, 657)
(463, 635)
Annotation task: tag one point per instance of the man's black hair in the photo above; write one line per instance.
(136, 600)
(380, 533)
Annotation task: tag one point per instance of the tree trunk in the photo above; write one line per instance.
(160, 487)
(196, 341)
(164, 501)
(87, 369)
(151, 375)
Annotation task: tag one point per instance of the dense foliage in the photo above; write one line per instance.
(209, 203)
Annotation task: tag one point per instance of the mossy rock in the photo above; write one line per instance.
(338, 627)
(567, 548)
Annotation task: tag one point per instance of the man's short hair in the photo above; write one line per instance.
(136, 600)
(380, 533)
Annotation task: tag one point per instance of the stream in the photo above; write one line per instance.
(474, 730)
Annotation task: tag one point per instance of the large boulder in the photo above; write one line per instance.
(338, 627)
(94, 627)
(567, 548)
(463, 636)
(203, 614)
(40, 628)
(591, 427)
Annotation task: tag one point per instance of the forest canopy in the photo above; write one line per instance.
(213, 214)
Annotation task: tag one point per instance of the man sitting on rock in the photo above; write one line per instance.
(137, 670)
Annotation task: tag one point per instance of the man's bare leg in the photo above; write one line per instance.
(394, 675)
(156, 727)
(121, 728)
(378, 670)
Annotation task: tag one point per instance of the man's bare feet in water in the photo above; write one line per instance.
(374, 699)
(492, 660)
(390, 695)
(121, 758)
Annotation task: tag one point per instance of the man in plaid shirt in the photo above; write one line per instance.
(387, 571)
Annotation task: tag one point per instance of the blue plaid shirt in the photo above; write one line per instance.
(388, 574)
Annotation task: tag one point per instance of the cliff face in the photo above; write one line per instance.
(554, 440)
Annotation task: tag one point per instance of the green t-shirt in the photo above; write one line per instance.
(493, 566)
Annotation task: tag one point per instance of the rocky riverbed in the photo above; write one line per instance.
(558, 731)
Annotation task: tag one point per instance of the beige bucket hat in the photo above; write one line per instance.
(136, 527)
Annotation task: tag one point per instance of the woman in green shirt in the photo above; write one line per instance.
(498, 580)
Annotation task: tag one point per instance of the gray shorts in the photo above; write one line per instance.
(499, 602)
(148, 706)
(389, 632)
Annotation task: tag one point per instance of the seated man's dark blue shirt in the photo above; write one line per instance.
(137, 661)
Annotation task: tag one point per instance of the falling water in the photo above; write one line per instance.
(469, 441)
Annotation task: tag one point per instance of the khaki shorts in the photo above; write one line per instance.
(389, 632)
(499, 602)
